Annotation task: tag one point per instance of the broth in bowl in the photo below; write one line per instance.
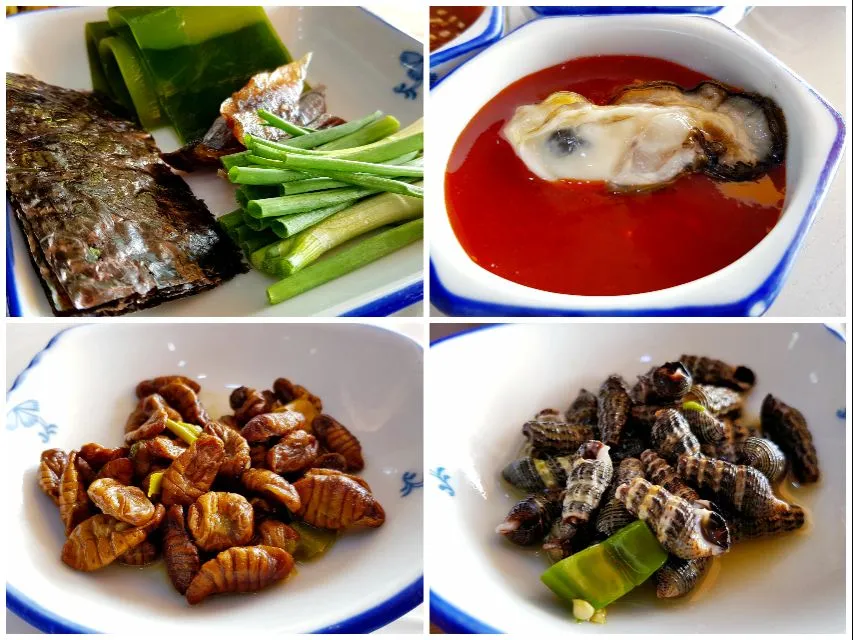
(529, 199)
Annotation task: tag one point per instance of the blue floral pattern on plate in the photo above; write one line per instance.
(410, 483)
(26, 414)
(413, 63)
(841, 414)
(444, 480)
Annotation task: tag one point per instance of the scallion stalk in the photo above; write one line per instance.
(346, 261)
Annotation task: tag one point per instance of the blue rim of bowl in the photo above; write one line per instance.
(382, 306)
(491, 35)
(621, 11)
(447, 616)
(374, 618)
(761, 298)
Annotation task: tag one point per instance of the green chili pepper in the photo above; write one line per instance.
(607, 571)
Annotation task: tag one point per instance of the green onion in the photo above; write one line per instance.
(371, 133)
(286, 205)
(323, 165)
(231, 220)
(287, 226)
(250, 239)
(279, 123)
(154, 483)
(369, 181)
(187, 432)
(360, 218)
(307, 185)
(265, 162)
(324, 136)
(262, 175)
(240, 159)
(246, 192)
(346, 261)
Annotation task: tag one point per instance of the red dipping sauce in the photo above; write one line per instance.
(579, 238)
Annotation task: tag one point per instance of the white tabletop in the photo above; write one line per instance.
(23, 341)
(811, 41)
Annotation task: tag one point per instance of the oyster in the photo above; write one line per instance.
(683, 528)
(649, 135)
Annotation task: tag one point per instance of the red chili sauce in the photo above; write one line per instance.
(446, 23)
(579, 238)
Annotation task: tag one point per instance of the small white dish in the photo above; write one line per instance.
(365, 64)
(80, 388)
(729, 15)
(485, 31)
(746, 287)
(502, 375)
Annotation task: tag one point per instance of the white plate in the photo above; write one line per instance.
(80, 389)
(501, 376)
(365, 64)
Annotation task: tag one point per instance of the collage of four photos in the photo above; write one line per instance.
(415, 319)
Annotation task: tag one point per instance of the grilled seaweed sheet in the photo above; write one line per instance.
(110, 228)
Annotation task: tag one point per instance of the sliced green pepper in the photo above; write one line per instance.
(312, 541)
(607, 571)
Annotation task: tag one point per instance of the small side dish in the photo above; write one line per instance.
(447, 23)
(655, 481)
(600, 176)
(230, 505)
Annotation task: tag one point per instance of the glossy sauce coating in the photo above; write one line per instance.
(579, 238)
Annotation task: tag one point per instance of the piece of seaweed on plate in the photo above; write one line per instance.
(110, 228)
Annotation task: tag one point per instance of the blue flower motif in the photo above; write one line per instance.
(410, 483)
(26, 414)
(444, 480)
(413, 62)
(841, 414)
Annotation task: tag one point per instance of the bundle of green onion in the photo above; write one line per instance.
(319, 189)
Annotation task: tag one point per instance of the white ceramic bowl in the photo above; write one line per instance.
(366, 65)
(80, 389)
(746, 287)
(483, 32)
(492, 381)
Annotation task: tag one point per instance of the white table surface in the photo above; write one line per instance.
(24, 340)
(811, 41)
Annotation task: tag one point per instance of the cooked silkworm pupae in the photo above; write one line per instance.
(670, 474)
(229, 505)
